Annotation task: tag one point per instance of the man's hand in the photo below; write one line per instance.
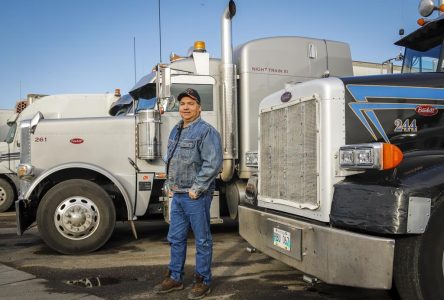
(192, 195)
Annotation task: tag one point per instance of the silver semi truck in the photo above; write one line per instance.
(350, 184)
(78, 176)
(54, 107)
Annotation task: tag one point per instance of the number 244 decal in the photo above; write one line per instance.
(405, 126)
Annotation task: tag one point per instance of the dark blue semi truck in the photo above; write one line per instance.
(350, 181)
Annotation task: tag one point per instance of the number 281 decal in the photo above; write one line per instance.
(405, 126)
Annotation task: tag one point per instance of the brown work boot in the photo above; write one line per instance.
(199, 289)
(168, 285)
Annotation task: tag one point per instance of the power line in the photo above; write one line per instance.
(160, 35)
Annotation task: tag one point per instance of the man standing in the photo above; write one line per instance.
(194, 159)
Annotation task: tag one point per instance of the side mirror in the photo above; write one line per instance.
(426, 7)
(168, 103)
(35, 120)
(163, 82)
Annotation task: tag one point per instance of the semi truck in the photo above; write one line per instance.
(80, 176)
(54, 107)
(349, 186)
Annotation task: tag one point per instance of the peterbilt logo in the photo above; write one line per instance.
(76, 141)
(285, 97)
(426, 110)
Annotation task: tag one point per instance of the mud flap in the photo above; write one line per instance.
(25, 215)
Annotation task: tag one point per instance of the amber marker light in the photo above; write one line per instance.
(199, 46)
(441, 8)
(160, 175)
(391, 156)
(421, 22)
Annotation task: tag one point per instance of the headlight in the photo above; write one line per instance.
(378, 156)
(25, 171)
(251, 159)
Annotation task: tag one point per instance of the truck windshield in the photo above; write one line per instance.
(11, 133)
(422, 61)
(143, 104)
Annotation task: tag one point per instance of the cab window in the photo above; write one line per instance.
(205, 91)
(421, 61)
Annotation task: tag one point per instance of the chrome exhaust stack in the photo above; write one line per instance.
(229, 95)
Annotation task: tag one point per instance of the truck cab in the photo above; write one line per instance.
(54, 107)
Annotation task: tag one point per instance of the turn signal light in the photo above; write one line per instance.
(391, 156)
(421, 22)
(160, 175)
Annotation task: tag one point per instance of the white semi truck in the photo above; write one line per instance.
(54, 107)
(78, 176)
(350, 183)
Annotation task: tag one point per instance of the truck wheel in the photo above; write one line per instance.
(76, 216)
(419, 261)
(7, 195)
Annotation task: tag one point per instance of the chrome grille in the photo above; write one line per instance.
(288, 167)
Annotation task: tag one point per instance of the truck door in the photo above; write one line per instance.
(205, 86)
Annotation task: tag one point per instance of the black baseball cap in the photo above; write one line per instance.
(193, 94)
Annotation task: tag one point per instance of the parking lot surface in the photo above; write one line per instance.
(126, 268)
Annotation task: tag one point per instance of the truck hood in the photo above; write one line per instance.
(408, 79)
(3, 148)
(403, 109)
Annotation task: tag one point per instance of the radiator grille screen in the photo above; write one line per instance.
(288, 154)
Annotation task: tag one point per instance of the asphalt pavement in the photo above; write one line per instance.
(15, 284)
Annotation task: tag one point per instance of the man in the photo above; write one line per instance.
(194, 159)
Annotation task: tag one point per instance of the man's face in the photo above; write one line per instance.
(189, 109)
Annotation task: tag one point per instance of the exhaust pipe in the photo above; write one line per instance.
(229, 96)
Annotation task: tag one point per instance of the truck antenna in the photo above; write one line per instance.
(134, 54)
(160, 35)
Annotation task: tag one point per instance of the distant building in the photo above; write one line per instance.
(362, 68)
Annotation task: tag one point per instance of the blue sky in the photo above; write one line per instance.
(86, 46)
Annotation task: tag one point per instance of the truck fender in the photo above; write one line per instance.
(397, 201)
(91, 167)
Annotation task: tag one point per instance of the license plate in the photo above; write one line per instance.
(282, 239)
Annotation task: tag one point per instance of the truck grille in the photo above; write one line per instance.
(288, 167)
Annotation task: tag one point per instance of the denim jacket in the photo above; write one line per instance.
(197, 160)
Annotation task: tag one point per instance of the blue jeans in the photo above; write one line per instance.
(186, 213)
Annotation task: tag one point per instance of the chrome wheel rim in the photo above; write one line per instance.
(3, 195)
(77, 218)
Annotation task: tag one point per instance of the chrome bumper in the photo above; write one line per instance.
(335, 256)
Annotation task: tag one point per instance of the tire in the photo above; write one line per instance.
(419, 261)
(7, 195)
(76, 216)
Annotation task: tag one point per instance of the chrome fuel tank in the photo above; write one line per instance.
(148, 134)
